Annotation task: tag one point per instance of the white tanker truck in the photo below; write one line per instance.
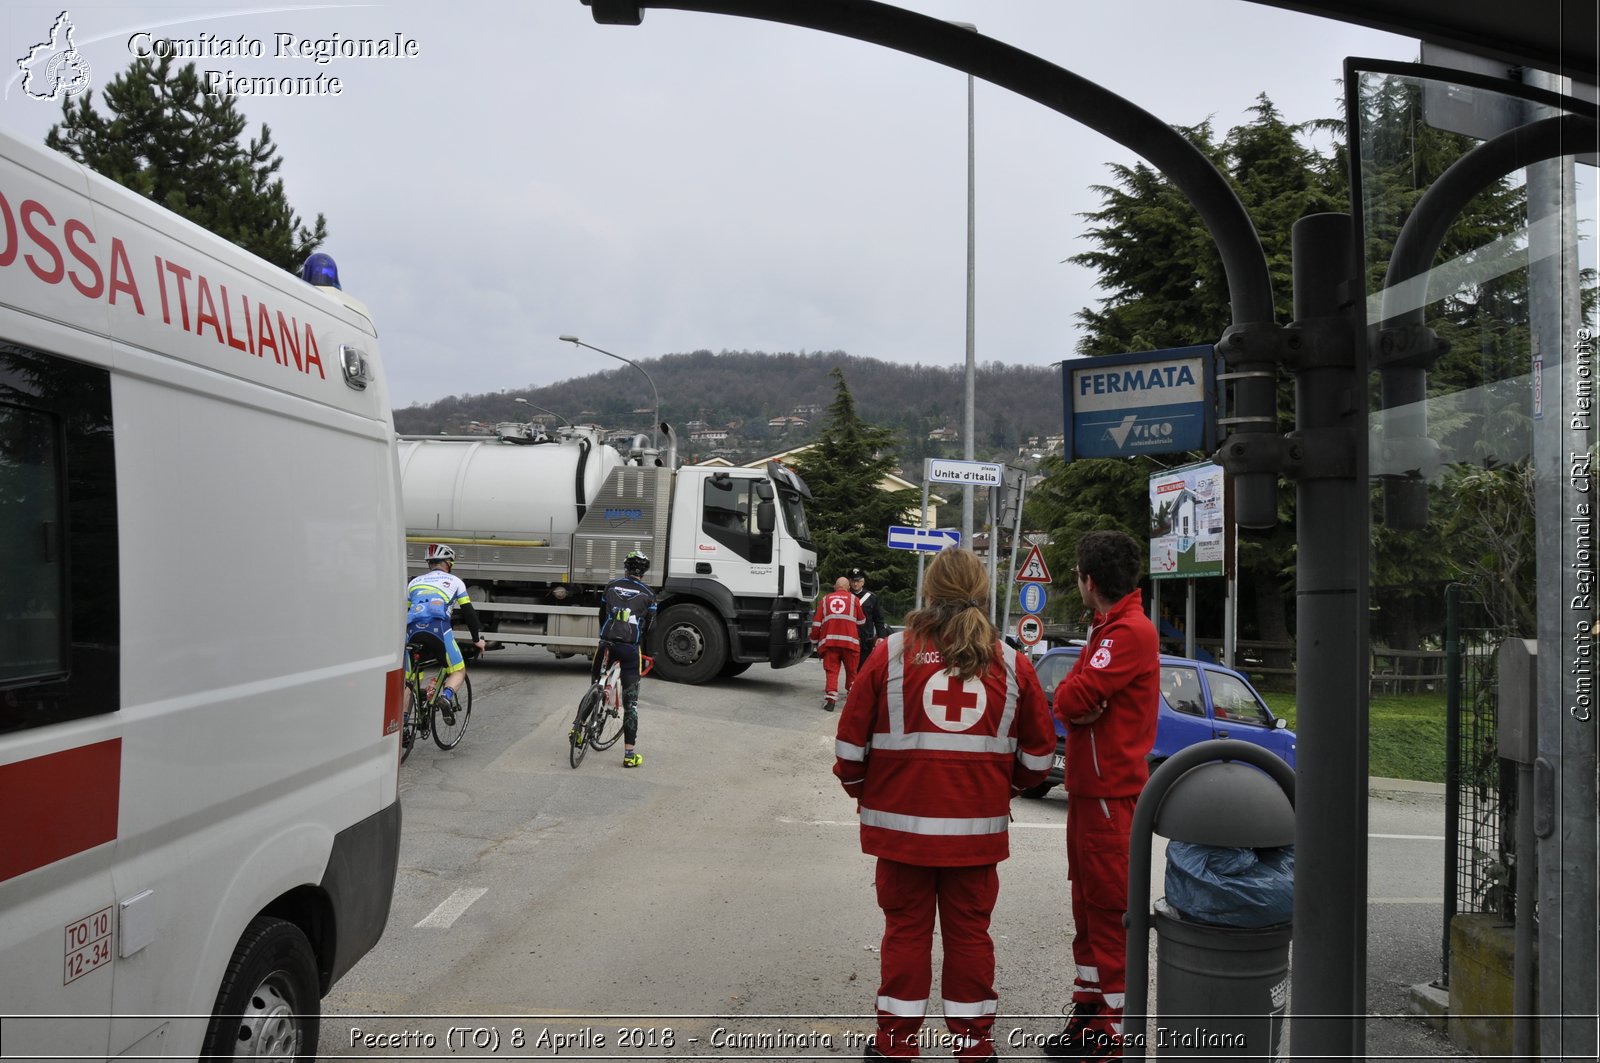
(540, 524)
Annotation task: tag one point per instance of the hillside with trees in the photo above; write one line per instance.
(742, 392)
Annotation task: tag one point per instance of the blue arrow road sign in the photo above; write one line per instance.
(925, 540)
(1032, 597)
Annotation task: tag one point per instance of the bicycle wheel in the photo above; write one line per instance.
(605, 727)
(448, 729)
(578, 736)
(408, 728)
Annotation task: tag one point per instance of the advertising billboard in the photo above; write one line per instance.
(1188, 529)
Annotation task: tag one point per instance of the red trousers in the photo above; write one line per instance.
(1097, 870)
(964, 899)
(832, 658)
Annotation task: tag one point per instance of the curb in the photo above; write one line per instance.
(1406, 786)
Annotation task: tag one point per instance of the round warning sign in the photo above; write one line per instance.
(1030, 629)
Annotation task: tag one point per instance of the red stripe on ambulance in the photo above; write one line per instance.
(58, 805)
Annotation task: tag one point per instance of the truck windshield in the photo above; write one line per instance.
(794, 515)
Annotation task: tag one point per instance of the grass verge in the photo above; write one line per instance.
(1406, 733)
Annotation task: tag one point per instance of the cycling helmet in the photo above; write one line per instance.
(635, 564)
(440, 552)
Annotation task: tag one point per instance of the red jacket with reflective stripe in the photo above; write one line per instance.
(933, 761)
(837, 624)
(1119, 668)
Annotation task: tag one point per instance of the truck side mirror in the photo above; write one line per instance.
(766, 517)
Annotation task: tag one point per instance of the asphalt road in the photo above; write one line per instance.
(714, 903)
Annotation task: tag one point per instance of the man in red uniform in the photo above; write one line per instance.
(944, 726)
(836, 630)
(1109, 704)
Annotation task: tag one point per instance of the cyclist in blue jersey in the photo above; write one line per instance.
(429, 599)
(626, 609)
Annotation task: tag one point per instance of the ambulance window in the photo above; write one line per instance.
(59, 614)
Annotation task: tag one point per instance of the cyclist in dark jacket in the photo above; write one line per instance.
(626, 609)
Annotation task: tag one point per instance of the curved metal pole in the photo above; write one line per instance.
(1402, 342)
(655, 428)
(541, 409)
(1243, 260)
(1437, 210)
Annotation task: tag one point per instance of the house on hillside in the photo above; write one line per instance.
(787, 422)
(889, 482)
(945, 435)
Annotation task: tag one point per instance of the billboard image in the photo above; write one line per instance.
(1187, 526)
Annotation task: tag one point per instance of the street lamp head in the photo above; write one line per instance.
(568, 339)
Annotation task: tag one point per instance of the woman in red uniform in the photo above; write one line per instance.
(942, 728)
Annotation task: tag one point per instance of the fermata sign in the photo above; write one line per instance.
(1152, 402)
(1187, 525)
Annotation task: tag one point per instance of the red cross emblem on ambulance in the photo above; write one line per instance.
(954, 704)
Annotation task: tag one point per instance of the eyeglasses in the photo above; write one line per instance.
(1077, 573)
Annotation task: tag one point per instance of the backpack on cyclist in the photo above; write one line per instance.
(428, 614)
(626, 610)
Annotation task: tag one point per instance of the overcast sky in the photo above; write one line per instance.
(701, 181)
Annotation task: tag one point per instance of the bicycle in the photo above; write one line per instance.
(598, 723)
(425, 711)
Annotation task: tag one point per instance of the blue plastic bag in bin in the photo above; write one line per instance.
(1231, 887)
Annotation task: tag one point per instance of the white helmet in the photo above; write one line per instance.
(440, 552)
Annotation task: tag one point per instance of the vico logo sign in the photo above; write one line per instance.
(1153, 402)
(1159, 432)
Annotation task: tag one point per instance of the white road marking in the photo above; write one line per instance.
(450, 909)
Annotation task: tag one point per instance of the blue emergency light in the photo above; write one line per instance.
(321, 270)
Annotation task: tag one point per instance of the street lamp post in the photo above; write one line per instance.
(655, 425)
(541, 409)
(969, 450)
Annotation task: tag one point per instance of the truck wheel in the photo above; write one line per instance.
(269, 1006)
(691, 644)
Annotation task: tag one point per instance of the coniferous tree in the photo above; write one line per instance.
(166, 139)
(849, 513)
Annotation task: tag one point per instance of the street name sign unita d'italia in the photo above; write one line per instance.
(975, 473)
(923, 540)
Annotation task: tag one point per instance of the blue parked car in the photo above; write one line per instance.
(1199, 701)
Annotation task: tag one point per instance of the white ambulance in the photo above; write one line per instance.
(199, 632)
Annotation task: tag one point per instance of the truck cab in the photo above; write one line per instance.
(738, 542)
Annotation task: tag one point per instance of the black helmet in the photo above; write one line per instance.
(855, 574)
(635, 564)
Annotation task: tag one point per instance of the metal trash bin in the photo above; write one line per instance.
(1221, 992)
